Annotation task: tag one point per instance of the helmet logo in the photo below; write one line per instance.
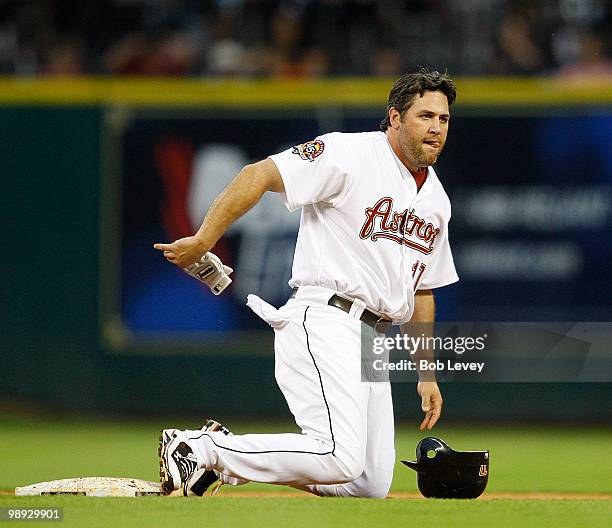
(483, 471)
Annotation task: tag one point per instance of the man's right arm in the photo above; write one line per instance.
(245, 190)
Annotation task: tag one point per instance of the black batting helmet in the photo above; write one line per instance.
(447, 474)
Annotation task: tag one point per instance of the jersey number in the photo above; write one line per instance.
(418, 268)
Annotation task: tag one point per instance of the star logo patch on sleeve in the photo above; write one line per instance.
(310, 150)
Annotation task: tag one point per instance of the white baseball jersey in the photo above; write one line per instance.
(365, 231)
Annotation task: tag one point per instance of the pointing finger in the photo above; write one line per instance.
(162, 247)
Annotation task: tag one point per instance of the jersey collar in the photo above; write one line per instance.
(407, 175)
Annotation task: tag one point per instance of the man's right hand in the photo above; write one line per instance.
(184, 251)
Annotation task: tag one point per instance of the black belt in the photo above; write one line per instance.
(380, 324)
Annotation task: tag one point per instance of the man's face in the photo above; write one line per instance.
(422, 130)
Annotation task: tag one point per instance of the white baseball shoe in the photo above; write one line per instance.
(178, 463)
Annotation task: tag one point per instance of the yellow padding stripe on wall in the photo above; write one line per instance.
(473, 91)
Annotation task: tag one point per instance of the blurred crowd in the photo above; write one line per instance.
(305, 38)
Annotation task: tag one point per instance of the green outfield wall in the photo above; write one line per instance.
(52, 147)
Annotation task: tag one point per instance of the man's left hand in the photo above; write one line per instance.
(431, 403)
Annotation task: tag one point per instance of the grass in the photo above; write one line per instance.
(233, 512)
(534, 459)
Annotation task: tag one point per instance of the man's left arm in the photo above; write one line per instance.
(428, 390)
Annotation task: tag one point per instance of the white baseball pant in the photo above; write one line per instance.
(346, 447)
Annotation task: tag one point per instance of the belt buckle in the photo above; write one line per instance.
(382, 326)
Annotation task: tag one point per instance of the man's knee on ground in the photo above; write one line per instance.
(350, 465)
(375, 485)
(377, 492)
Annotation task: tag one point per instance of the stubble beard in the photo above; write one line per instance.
(414, 150)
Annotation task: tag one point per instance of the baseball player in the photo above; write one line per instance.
(372, 244)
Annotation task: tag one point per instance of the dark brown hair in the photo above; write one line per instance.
(409, 85)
